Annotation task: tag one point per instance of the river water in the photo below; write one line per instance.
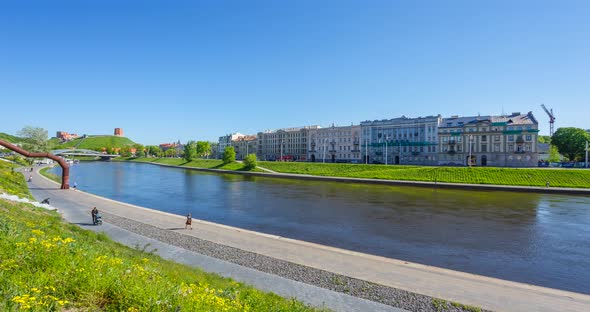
(533, 238)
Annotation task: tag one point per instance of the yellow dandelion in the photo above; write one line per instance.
(37, 232)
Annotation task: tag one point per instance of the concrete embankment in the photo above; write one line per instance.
(442, 185)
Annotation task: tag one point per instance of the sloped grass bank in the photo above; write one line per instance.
(46, 264)
(576, 178)
(13, 182)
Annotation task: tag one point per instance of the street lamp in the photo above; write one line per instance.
(586, 154)
(470, 141)
(386, 149)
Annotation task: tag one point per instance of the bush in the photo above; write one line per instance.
(250, 161)
(229, 155)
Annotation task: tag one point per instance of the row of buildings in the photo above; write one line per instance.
(502, 141)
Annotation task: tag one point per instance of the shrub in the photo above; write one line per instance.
(250, 161)
(229, 155)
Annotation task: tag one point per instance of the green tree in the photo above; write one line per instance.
(570, 142)
(229, 155)
(553, 154)
(250, 161)
(139, 153)
(203, 148)
(190, 151)
(154, 150)
(170, 152)
(544, 139)
(125, 151)
(36, 139)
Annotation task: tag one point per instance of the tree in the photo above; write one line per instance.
(553, 154)
(203, 148)
(190, 151)
(170, 152)
(139, 153)
(154, 150)
(544, 139)
(229, 155)
(250, 161)
(570, 142)
(36, 139)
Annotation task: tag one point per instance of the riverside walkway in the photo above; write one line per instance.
(470, 289)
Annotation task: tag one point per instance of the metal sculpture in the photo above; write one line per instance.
(65, 168)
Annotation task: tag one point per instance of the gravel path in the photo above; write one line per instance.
(340, 283)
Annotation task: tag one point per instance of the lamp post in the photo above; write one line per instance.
(324, 159)
(366, 150)
(586, 154)
(400, 151)
(386, 150)
(470, 141)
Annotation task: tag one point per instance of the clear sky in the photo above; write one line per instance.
(179, 70)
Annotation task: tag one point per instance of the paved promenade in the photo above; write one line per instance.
(488, 293)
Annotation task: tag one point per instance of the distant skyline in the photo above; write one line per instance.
(182, 70)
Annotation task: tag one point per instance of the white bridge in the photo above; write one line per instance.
(82, 152)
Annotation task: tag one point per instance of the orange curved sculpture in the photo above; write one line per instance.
(65, 169)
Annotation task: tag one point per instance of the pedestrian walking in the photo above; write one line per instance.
(75, 186)
(94, 212)
(189, 221)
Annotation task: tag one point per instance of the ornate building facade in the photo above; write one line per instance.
(500, 141)
(288, 144)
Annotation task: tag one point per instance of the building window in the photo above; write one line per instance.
(511, 138)
(510, 147)
(529, 137)
(484, 148)
(496, 138)
(496, 147)
(484, 138)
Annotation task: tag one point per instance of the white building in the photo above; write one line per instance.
(335, 144)
(288, 144)
(403, 140)
(225, 141)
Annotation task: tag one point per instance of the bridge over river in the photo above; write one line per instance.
(83, 152)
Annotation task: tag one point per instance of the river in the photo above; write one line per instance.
(540, 239)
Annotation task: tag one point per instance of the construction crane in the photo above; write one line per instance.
(551, 118)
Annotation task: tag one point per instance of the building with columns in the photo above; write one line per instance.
(403, 140)
(500, 141)
(288, 144)
(335, 144)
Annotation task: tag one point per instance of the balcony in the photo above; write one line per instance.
(451, 152)
(452, 142)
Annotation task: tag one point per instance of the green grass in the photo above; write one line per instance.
(49, 265)
(500, 176)
(52, 176)
(94, 142)
(13, 182)
(10, 138)
(199, 163)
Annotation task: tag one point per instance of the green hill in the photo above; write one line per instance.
(94, 142)
(10, 138)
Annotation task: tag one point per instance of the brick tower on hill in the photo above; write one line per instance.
(119, 132)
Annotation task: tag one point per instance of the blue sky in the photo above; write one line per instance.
(180, 70)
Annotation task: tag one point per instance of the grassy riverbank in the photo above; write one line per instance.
(199, 163)
(13, 182)
(575, 178)
(49, 265)
(477, 175)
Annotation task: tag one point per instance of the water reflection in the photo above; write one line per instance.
(533, 238)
